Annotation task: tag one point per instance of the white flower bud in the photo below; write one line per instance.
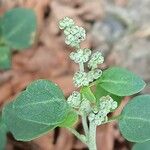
(74, 35)
(96, 119)
(66, 22)
(96, 59)
(67, 31)
(81, 56)
(114, 105)
(103, 113)
(94, 74)
(97, 73)
(85, 106)
(109, 102)
(80, 79)
(74, 99)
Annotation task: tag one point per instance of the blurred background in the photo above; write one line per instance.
(120, 29)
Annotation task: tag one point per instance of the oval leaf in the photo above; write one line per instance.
(121, 82)
(142, 146)
(135, 119)
(24, 130)
(42, 102)
(19, 27)
(99, 92)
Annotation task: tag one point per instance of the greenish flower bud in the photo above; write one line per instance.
(105, 107)
(94, 74)
(95, 60)
(67, 31)
(74, 99)
(85, 106)
(72, 41)
(65, 23)
(114, 105)
(97, 73)
(107, 104)
(80, 79)
(96, 119)
(103, 113)
(81, 56)
(74, 35)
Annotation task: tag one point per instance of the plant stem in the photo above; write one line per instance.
(81, 66)
(78, 135)
(84, 123)
(115, 118)
(92, 137)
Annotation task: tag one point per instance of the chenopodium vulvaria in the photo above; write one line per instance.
(74, 35)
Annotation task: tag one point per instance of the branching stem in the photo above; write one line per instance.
(92, 137)
(78, 135)
(85, 125)
(81, 66)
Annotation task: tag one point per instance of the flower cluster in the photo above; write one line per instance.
(96, 113)
(81, 56)
(85, 106)
(74, 100)
(77, 102)
(74, 34)
(106, 105)
(82, 78)
(96, 59)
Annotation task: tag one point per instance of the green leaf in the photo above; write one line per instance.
(19, 27)
(70, 120)
(134, 123)
(99, 92)
(24, 130)
(42, 102)
(121, 82)
(87, 93)
(5, 57)
(142, 146)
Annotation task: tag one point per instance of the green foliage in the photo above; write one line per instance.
(121, 82)
(18, 28)
(135, 119)
(99, 92)
(5, 57)
(88, 94)
(24, 130)
(70, 120)
(2, 135)
(38, 109)
(42, 101)
(17, 32)
(142, 146)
